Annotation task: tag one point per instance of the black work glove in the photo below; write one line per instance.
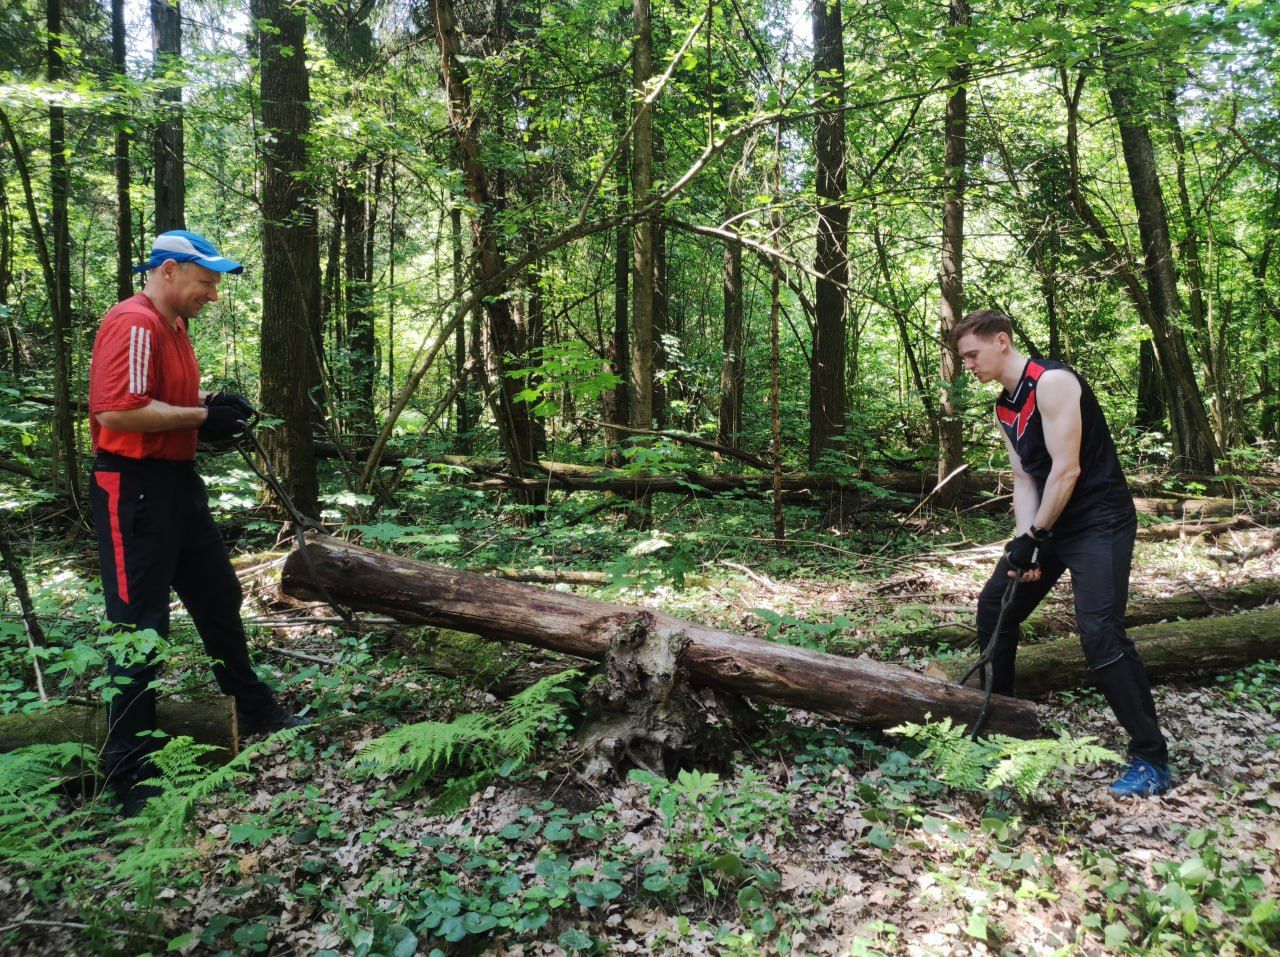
(1023, 553)
(232, 400)
(223, 423)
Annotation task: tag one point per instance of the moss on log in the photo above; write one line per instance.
(207, 721)
(1170, 650)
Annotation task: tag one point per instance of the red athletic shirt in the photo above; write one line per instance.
(137, 357)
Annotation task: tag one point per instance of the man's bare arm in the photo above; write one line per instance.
(155, 416)
(1026, 498)
(1058, 399)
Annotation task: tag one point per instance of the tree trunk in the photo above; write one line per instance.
(1194, 445)
(124, 212)
(291, 251)
(643, 234)
(663, 387)
(733, 365)
(167, 146)
(1151, 410)
(617, 407)
(1215, 371)
(1174, 649)
(66, 466)
(10, 344)
(510, 416)
(831, 261)
(358, 298)
(955, 136)
(463, 424)
(866, 692)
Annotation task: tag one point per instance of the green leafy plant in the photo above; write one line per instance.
(820, 636)
(713, 827)
(998, 761)
(489, 744)
(1205, 900)
(38, 841)
(1257, 685)
(568, 367)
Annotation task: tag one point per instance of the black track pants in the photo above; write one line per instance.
(1099, 558)
(154, 534)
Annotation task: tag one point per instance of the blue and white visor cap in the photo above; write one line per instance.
(186, 247)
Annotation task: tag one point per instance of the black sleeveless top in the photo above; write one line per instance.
(1100, 493)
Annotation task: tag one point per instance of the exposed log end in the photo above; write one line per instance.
(644, 713)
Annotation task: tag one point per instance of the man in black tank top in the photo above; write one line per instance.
(1073, 511)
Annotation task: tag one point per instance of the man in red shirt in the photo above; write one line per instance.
(150, 507)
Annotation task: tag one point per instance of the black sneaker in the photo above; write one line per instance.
(270, 721)
(129, 799)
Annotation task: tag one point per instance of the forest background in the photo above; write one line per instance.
(517, 271)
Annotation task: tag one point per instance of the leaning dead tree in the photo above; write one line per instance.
(869, 693)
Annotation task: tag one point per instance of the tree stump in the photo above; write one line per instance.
(642, 710)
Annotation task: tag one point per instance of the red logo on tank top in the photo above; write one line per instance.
(1015, 423)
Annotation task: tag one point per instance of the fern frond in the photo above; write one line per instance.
(1026, 765)
(481, 740)
(1000, 761)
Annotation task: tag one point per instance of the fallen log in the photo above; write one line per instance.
(868, 692)
(1195, 528)
(1186, 508)
(1170, 650)
(207, 721)
(1058, 620)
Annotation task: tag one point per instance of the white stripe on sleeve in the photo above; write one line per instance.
(139, 359)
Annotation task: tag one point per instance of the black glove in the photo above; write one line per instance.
(1023, 553)
(232, 400)
(223, 423)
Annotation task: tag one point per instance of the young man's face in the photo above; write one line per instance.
(190, 287)
(983, 358)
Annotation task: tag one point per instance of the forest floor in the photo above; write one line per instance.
(813, 838)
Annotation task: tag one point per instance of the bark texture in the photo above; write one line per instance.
(511, 417)
(831, 261)
(1194, 445)
(66, 467)
(867, 692)
(644, 232)
(124, 211)
(290, 251)
(951, 268)
(167, 144)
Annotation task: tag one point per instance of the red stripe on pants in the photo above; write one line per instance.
(109, 482)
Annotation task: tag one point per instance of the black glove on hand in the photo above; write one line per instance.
(223, 423)
(232, 400)
(1023, 553)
